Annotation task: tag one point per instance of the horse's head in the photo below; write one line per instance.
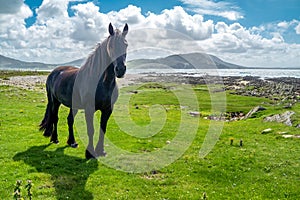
(116, 48)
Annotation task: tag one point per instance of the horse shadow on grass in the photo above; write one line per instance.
(68, 173)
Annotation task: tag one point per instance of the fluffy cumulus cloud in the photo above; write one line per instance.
(58, 37)
(177, 19)
(89, 25)
(131, 15)
(237, 44)
(12, 25)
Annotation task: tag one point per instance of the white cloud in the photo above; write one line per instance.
(10, 7)
(12, 24)
(297, 28)
(178, 20)
(280, 27)
(52, 9)
(209, 7)
(131, 15)
(283, 24)
(89, 25)
(248, 47)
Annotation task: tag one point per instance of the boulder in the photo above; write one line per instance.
(268, 130)
(195, 113)
(254, 110)
(291, 136)
(281, 118)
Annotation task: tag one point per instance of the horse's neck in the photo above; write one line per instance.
(91, 73)
(108, 78)
(96, 64)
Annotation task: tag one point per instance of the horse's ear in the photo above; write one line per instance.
(125, 30)
(111, 29)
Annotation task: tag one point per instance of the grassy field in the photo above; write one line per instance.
(5, 74)
(267, 166)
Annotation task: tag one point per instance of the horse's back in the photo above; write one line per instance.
(64, 69)
(60, 83)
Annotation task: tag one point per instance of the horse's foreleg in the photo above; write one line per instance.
(71, 140)
(89, 118)
(103, 123)
(54, 137)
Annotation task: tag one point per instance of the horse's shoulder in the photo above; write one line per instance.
(66, 68)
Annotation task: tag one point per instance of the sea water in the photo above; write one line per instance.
(263, 73)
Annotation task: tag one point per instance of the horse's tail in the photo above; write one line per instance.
(47, 124)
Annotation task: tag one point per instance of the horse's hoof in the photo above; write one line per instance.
(101, 154)
(54, 141)
(47, 133)
(74, 145)
(89, 155)
(100, 151)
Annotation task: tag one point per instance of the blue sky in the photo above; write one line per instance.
(248, 32)
(256, 12)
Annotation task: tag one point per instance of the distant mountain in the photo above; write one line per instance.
(76, 63)
(178, 61)
(10, 63)
(184, 61)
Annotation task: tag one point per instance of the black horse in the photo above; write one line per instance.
(91, 87)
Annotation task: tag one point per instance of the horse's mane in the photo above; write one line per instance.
(97, 61)
(90, 72)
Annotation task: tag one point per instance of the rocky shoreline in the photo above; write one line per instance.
(283, 90)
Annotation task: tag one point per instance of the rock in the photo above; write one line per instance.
(195, 113)
(268, 130)
(253, 111)
(287, 136)
(282, 133)
(291, 136)
(288, 106)
(281, 118)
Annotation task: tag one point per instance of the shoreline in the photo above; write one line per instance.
(281, 89)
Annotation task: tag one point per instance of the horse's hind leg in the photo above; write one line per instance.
(71, 139)
(54, 137)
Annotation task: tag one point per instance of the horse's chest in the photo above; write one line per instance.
(105, 97)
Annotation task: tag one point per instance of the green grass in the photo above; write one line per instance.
(266, 167)
(5, 74)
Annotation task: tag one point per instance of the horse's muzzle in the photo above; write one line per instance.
(120, 71)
